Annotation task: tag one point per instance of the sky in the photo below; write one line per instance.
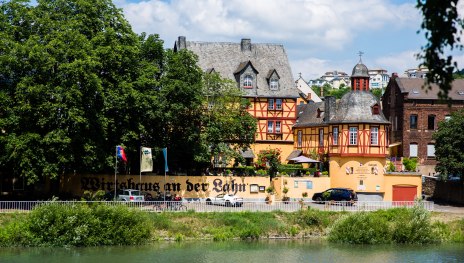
(318, 35)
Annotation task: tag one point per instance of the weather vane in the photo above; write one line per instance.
(360, 53)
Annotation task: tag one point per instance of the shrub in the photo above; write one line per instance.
(82, 225)
(410, 164)
(360, 228)
(400, 226)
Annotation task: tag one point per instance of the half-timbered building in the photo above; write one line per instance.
(262, 72)
(351, 136)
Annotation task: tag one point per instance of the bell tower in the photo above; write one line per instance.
(360, 76)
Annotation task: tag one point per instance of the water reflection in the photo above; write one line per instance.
(239, 251)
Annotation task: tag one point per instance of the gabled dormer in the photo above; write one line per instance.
(273, 80)
(246, 75)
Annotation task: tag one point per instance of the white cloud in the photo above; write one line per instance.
(399, 62)
(307, 28)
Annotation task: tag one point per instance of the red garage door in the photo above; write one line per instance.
(404, 192)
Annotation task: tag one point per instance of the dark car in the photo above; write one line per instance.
(336, 194)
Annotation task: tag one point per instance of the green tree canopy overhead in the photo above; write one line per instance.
(449, 145)
(75, 81)
(443, 28)
(71, 82)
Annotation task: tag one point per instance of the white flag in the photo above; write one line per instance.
(146, 161)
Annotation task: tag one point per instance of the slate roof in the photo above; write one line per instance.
(414, 90)
(353, 107)
(360, 70)
(226, 58)
(307, 115)
(356, 107)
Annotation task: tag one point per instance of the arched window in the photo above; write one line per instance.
(248, 82)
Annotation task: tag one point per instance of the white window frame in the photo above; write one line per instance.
(431, 150)
(270, 127)
(274, 84)
(278, 104)
(353, 136)
(374, 135)
(248, 82)
(278, 127)
(270, 104)
(413, 149)
(335, 135)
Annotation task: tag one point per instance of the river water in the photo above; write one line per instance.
(239, 251)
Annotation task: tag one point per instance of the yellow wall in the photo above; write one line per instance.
(186, 186)
(197, 186)
(319, 184)
(350, 171)
(392, 179)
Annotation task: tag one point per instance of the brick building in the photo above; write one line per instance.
(415, 114)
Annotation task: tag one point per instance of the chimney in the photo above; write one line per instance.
(181, 43)
(246, 44)
(329, 107)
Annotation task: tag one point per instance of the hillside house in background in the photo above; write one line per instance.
(415, 114)
(334, 78)
(263, 74)
(378, 78)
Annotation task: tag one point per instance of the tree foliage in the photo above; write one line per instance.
(269, 159)
(449, 145)
(443, 28)
(75, 81)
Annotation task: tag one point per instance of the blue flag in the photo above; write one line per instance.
(165, 153)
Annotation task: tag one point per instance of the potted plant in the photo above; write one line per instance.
(270, 197)
(285, 199)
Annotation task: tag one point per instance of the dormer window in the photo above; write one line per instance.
(248, 82)
(273, 79)
(274, 84)
(376, 109)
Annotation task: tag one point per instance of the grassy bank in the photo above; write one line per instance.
(94, 225)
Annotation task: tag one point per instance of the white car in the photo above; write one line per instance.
(130, 195)
(225, 199)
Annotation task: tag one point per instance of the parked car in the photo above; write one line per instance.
(131, 195)
(225, 199)
(336, 194)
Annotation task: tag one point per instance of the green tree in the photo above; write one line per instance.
(73, 85)
(443, 27)
(377, 92)
(269, 160)
(325, 88)
(227, 126)
(338, 93)
(449, 145)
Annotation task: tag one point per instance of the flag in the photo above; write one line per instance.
(121, 154)
(165, 153)
(146, 161)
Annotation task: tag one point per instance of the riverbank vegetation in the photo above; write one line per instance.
(94, 225)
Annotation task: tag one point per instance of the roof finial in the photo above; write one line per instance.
(360, 53)
(300, 74)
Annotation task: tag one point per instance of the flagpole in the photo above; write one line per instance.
(115, 171)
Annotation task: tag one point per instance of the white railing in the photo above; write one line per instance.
(202, 206)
